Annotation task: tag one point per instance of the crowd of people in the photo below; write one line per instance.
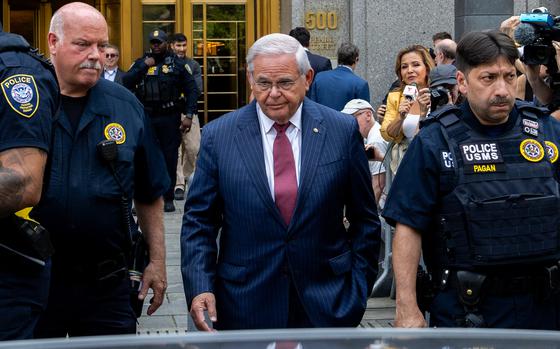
(281, 227)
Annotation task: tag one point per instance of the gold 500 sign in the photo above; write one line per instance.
(321, 20)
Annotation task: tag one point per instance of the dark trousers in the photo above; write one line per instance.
(166, 129)
(86, 308)
(24, 290)
(523, 311)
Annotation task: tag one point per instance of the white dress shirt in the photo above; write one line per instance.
(268, 134)
(110, 74)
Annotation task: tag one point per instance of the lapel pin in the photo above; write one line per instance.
(316, 130)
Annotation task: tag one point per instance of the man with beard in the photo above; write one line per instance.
(158, 79)
(477, 193)
(87, 196)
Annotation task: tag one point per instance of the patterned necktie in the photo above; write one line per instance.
(285, 182)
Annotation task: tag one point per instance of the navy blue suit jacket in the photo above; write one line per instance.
(337, 87)
(332, 269)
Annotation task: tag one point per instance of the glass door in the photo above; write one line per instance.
(219, 45)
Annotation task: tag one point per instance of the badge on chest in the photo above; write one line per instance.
(481, 157)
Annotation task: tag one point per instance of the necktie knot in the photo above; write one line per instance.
(281, 128)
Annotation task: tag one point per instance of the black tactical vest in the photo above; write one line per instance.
(505, 205)
(161, 85)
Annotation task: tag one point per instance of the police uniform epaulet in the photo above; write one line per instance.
(530, 110)
(446, 115)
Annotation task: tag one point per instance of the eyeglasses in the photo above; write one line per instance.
(111, 55)
(284, 85)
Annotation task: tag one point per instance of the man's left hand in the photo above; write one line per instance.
(186, 124)
(155, 278)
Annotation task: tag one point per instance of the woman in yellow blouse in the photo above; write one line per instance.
(413, 66)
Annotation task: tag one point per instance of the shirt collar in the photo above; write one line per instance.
(267, 122)
(110, 71)
(347, 67)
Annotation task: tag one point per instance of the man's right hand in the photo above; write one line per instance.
(150, 61)
(203, 302)
(409, 316)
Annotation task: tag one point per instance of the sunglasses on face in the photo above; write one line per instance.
(111, 55)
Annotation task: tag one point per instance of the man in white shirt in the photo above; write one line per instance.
(369, 129)
(111, 70)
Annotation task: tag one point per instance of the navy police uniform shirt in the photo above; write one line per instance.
(29, 98)
(81, 204)
(426, 170)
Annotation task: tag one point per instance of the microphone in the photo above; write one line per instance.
(410, 92)
(525, 34)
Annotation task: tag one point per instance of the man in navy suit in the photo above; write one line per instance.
(277, 176)
(337, 87)
(318, 63)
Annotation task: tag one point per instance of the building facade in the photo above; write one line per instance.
(220, 31)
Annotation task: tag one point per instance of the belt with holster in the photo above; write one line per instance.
(112, 268)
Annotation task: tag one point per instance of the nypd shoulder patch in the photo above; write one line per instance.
(21, 93)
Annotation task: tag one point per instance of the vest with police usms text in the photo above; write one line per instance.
(505, 205)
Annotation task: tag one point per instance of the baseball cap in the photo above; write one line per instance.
(443, 74)
(355, 105)
(158, 35)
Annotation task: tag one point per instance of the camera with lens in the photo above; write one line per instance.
(536, 32)
(439, 96)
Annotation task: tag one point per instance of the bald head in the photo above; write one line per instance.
(73, 13)
(77, 41)
(445, 51)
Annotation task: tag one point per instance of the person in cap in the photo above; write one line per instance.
(159, 79)
(443, 86)
(477, 195)
(369, 129)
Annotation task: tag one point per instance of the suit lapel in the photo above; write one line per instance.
(313, 135)
(249, 142)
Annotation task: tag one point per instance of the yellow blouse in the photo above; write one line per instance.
(392, 115)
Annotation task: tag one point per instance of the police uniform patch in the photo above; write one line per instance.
(481, 157)
(21, 93)
(152, 71)
(115, 132)
(447, 159)
(551, 151)
(165, 69)
(531, 150)
(188, 68)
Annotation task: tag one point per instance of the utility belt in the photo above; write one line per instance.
(163, 109)
(472, 287)
(113, 268)
(25, 239)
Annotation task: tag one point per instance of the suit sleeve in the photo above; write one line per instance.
(197, 73)
(201, 223)
(363, 93)
(361, 211)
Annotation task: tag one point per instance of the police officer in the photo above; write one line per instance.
(478, 193)
(28, 102)
(87, 190)
(158, 79)
(190, 140)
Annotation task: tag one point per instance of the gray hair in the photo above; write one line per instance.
(57, 25)
(278, 44)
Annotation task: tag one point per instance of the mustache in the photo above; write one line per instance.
(500, 100)
(90, 65)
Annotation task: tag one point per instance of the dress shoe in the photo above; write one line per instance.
(179, 194)
(168, 206)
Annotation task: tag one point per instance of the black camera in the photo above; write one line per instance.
(439, 96)
(536, 32)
